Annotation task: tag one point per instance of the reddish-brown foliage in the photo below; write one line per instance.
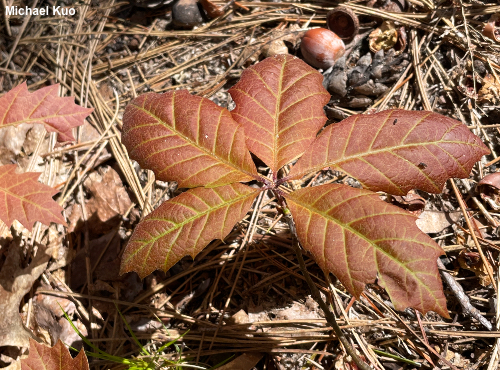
(350, 232)
(24, 199)
(359, 238)
(279, 103)
(395, 151)
(42, 106)
(184, 226)
(187, 139)
(58, 357)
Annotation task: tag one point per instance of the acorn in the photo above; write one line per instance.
(321, 48)
(343, 22)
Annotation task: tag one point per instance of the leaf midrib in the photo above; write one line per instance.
(206, 151)
(354, 231)
(374, 152)
(188, 220)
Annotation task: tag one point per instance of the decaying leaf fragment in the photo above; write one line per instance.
(490, 91)
(489, 189)
(492, 28)
(15, 283)
(472, 261)
(384, 37)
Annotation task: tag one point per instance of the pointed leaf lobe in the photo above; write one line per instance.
(359, 238)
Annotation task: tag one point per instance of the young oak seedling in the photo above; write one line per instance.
(350, 232)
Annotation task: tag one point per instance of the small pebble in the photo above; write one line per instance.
(186, 14)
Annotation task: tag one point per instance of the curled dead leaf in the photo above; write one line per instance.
(489, 189)
(412, 202)
(490, 91)
(384, 37)
(492, 28)
(212, 9)
(472, 261)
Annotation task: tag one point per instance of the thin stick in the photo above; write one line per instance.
(330, 317)
(467, 308)
(473, 234)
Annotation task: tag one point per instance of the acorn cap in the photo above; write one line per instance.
(343, 22)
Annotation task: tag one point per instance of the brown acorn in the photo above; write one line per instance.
(343, 22)
(321, 48)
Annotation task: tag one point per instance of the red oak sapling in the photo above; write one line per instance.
(350, 232)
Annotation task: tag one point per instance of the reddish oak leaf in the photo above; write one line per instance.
(395, 151)
(279, 102)
(24, 199)
(187, 139)
(42, 106)
(359, 238)
(58, 357)
(184, 225)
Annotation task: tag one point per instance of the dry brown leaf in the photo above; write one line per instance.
(109, 200)
(15, 283)
(490, 91)
(436, 221)
(384, 37)
(244, 362)
(472, 261)
(58, 357)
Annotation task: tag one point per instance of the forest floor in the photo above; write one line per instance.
(243, 301)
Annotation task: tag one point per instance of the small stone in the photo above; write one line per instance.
(186, 13)
(273, 48)
(479, 67)
(134, 43)
(151, 4)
